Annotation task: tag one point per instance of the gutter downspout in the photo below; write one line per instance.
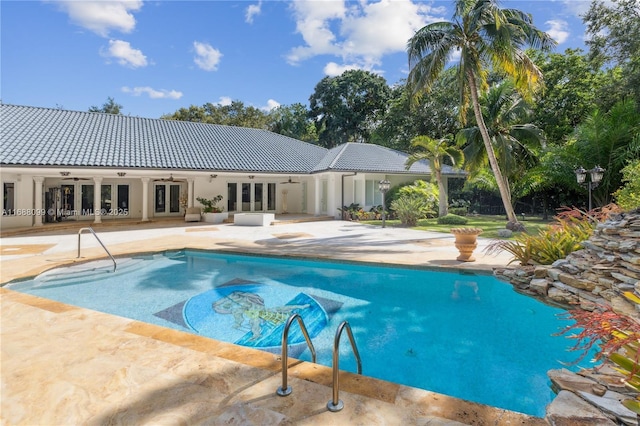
(342, 190)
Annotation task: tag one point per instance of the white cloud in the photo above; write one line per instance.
(332, 69)
(153, 93)
(101, 17)
(558, 30)
(251, 11)
(225, 101)
(125, 54)
(207, 57)
(271, 104)
(579, 7)
(360, 33)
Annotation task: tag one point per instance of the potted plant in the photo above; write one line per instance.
(211, 212)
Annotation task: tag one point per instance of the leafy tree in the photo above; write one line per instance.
(408, 117)
(109, 107)
(607, 139)
(486, 36)
(234, 114)
(435, 151)
(572, 88)
(613, 36)
(293, 121)
(347, 108)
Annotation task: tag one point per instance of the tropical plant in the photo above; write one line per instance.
(486, 36)
(435, 151)
(613, 336)
(410, 208)
(210, 204)
(628, 197)
(515, 141)
(571, 228)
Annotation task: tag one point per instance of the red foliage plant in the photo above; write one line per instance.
(609, 331)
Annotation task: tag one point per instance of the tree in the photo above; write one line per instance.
(513, 139)
(348, 107)
(613, 36)
(234, 114)
(572, 90)
(435, 151)
(109, 107)
(293, 121)
(486, 36)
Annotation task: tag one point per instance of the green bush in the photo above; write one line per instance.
(409, 209)
(452, 219)
(628, 197)
(460, 211)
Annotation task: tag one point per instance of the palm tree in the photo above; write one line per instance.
(486, 37)
(435, 150)
(515, 142)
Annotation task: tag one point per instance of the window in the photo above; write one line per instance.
(105, 198)
(271, 196)
(123, 199)
(232, 197)
(87, 199)
(9, 199)
(373, 196)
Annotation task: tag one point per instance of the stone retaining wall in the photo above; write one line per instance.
(600, 273)
(606, 267)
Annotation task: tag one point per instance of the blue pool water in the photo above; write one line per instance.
(465, 335)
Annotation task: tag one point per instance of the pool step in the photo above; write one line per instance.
(88, 271)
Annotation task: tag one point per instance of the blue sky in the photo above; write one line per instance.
(154, 57)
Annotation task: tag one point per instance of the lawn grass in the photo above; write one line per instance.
(489, 225)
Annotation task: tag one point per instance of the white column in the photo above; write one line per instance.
(97, 199)
(38, 206)
(317, 195)
(189, 192)
(332, 203)
(145, 198)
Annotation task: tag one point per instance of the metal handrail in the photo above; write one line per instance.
(285, 390)
(335, 404)
(103, 246)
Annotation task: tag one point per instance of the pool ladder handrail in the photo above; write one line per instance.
(336, 404)
(90, 229)
(285, 390)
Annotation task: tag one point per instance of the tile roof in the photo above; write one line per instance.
(33, 136)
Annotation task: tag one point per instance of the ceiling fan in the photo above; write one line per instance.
(75, 178)
(169, 179)
(289, 181)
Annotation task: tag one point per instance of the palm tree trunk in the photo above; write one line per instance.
(443, 205)
(493, 161)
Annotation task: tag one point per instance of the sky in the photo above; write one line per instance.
(155, 57)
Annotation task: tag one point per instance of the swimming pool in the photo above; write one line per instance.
(469, 336)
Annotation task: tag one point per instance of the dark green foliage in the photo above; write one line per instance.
(452, 219)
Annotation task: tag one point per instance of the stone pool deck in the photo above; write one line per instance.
(63, 364)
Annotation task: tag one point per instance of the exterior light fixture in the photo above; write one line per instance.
(595, 177)
(122, 174)
(251, 176)
(65, 173)
(383, 186)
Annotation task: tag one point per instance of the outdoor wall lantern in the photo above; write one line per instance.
(122, 174)
(212, 177)
(595, 176)
(65, 173)
(383, 186)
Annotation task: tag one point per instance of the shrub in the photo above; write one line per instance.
(572, 227)
(409, 209)
(628, 197)
(459, 211)
(452, 219)
(210, 204)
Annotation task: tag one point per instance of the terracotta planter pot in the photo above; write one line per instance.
(466, 242)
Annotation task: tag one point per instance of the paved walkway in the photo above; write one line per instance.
(67, 365)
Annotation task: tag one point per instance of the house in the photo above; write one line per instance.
(59, 165)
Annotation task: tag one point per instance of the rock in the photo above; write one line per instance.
(540, 272)
(611, 403)
(539, 286)
(504, 233)
(576, 282)
(563, 379)
(561, 296)
(568, 409)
